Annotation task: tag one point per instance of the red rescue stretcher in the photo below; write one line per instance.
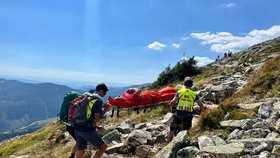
(133, 98)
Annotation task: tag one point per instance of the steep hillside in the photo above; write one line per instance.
(256, 68)
(242, 120)
(23, 103)
(42, 143)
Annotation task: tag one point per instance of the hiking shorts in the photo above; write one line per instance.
(181, 123)
(71, 131)
(83, 137)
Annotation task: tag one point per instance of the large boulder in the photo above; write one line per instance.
(170, 150)
(236, 134)
(265, 154)
(256, 133)
(239, 124)
(145, 151)
(125, 127)
(250, 105)
(268, 111)
(112, 136)
(157, 128)
(204, 141)
(252, 143)
(139, 137)
(167, 119)
(231, 150)
(190, 151)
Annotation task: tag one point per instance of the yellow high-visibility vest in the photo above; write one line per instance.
(186, 99)
(89, 107)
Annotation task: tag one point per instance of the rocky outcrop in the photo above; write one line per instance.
(258, 137)
(170, 150)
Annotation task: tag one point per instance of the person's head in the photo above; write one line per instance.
(188, 82)
(178, 86)
(101, 89)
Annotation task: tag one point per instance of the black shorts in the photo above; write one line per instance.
(93, 137)
(71, 131)
(180, 123)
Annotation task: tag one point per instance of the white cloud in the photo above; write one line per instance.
(184, 38)
(225, 41)
(156, 45)
(230, 5)
(201, 61)
(176, 45)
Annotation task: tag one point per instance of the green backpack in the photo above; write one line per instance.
(68, 98)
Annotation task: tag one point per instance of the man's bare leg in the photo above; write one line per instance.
(100, 151)
(80, 153)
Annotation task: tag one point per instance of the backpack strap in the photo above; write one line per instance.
(89, 107)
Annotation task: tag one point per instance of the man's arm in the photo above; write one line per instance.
(200, 104)
(106, 108)
(173, 101)
(97, 117)
(97, 110)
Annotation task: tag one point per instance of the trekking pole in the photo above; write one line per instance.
(118, 112)
(113, 110)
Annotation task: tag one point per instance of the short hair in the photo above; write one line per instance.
(101, 86)
(188, 81)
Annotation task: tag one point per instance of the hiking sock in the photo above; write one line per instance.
(72, 155)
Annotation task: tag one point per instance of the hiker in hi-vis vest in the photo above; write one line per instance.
(184, 98)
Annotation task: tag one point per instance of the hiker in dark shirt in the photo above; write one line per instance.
(87, 133)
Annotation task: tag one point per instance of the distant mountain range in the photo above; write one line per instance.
(23, 103)
(26, 129)
(116, 91)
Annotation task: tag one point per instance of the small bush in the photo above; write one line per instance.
(211, 119)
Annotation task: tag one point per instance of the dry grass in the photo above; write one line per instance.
(149, 114)
(208, 73)
(261, 84)
(30, 144)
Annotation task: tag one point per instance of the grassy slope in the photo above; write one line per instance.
(49, 141)
(37, 143)
(262, 84)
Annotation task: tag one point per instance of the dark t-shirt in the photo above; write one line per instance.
(90, 126)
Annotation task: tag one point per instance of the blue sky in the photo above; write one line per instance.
(124, 41)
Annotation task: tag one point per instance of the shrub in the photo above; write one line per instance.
(211, 119)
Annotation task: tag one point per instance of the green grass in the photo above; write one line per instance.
(151, 113)
(13, 147)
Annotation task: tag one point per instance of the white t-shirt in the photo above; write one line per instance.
(98, 96)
